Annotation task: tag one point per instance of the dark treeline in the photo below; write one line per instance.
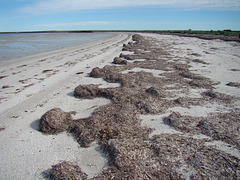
(226, 32)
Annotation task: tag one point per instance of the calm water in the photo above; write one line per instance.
(18, 45)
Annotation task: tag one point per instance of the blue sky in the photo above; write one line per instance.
(33, 15)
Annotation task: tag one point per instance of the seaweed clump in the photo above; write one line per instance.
(86, 91)
(233, 84)
(67, 170)
(172, 120)
(119, 61)
(55, 121)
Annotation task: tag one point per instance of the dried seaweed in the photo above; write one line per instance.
(67, 170)
(201, 84)
(190, 75)
(194, 158)
(6, 86)
(86, 91)
(152, 90)
(132, 154)
(47, 70)
(172, 120)
(133, 159)
(119, 61)
(1, 77)
(219, 97)
(55, 121)
(199, 61)
(222, 126)
(233, 84)
(97, 72)
(207, 128)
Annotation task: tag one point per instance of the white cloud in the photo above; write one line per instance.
(74, 24)
(55, 6)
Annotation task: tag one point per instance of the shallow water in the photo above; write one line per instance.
(16, 45)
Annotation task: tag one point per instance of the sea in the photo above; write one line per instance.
(17, 45)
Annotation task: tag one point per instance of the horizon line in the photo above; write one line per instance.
(46, 31)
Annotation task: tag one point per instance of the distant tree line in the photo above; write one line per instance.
(226, 32)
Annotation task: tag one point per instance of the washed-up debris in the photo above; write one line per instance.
(210, 93)
(207, 128)
(131, 153)
(201, 84)
(119, 61)
(152, 91)
(219, 97)
(79, 73)
(108, 73)
(233, 84)
(133, 159)
(193, 159)
(235, 69)
(67, 170)
(6, 86)
(199, 61)
(97, 73)
(172, 120)
(86, 91)
(190, 75)
(1, 77)
(47, 70)
(55, 121)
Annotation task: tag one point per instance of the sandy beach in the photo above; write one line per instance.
(37, 84)
(185, 89)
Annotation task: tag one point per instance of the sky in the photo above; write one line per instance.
(41, 15)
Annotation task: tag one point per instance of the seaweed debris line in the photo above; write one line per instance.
(132, 153)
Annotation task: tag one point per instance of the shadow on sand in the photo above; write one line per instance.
(35, 125)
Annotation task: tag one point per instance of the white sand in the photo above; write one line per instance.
(155, 72)
(156, 123)
(25, 152)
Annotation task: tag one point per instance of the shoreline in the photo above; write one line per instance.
(169, 77)
(51, 53)
(57, 61)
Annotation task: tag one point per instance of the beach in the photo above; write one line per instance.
(185, 89)
(50, 77)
